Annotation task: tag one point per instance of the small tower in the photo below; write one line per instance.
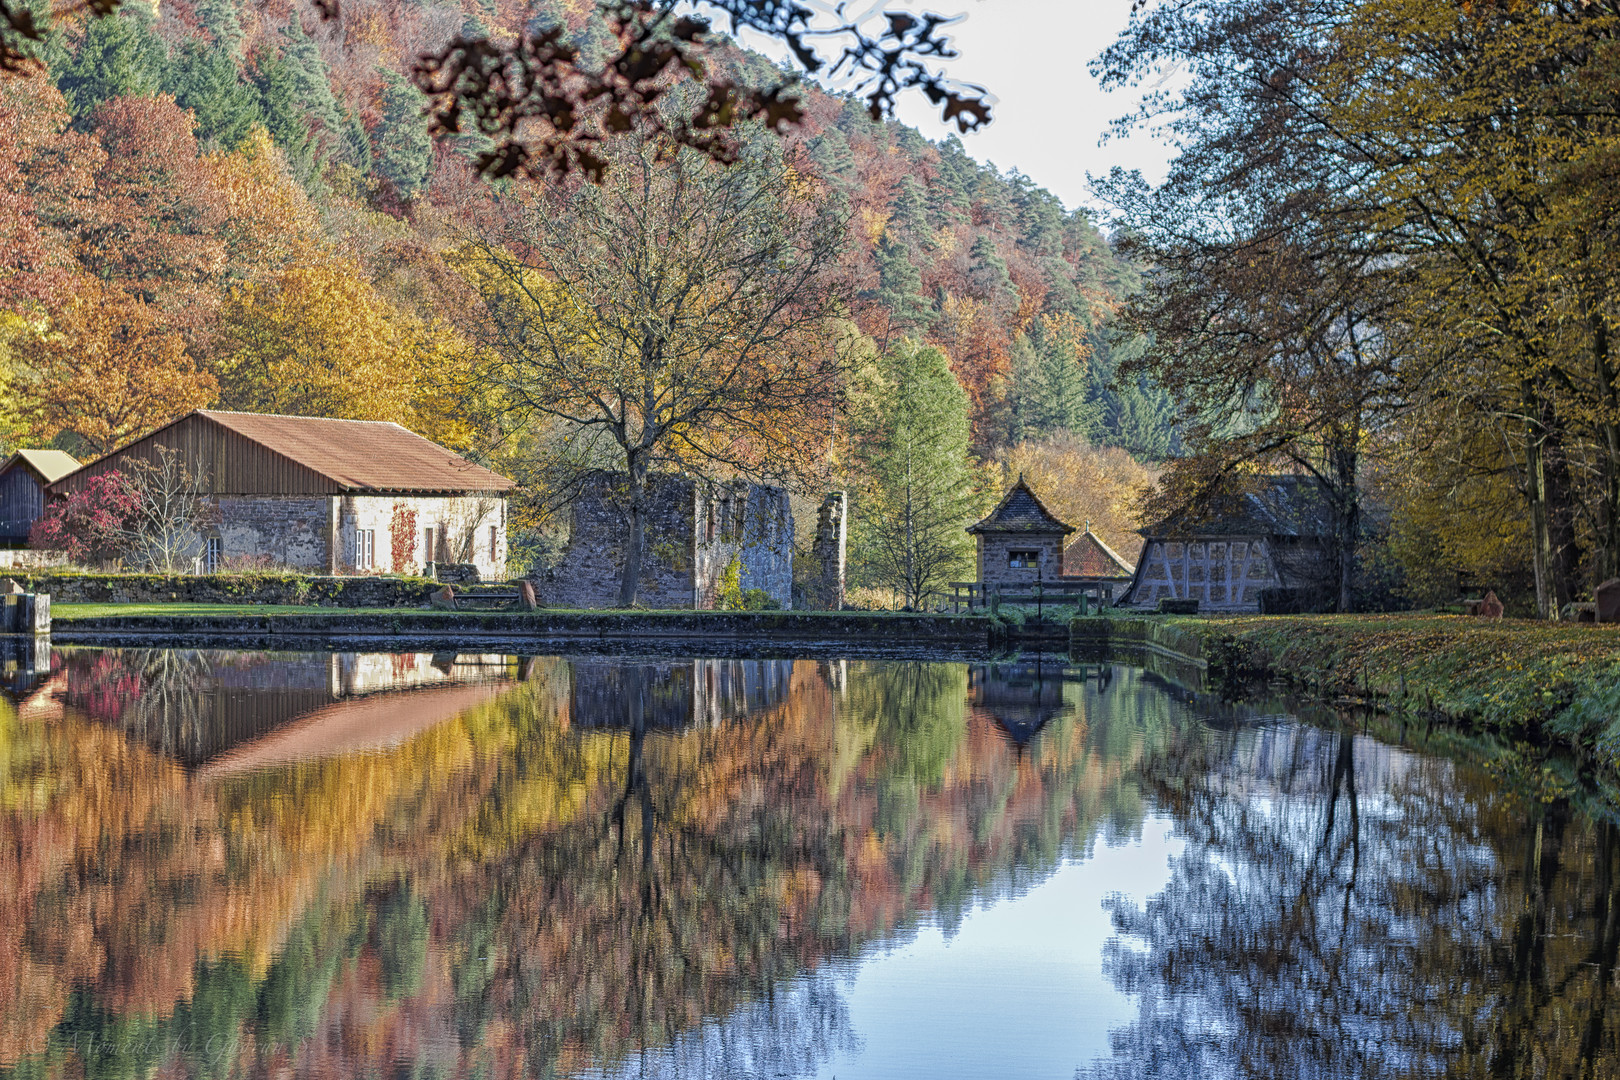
(1021, 541)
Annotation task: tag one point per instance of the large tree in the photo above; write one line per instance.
(680, 316)
(911, 428)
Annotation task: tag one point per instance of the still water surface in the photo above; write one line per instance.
(221, 864)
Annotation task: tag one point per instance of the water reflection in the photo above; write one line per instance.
(342, 865)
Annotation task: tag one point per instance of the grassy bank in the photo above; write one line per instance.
(1531, 681)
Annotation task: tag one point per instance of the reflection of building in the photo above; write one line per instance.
(195, 705)
(1022, 697)
(674, 693)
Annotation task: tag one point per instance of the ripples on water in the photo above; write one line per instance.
(247, 864)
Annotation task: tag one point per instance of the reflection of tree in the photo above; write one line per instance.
(521, 885)
(1345, 910)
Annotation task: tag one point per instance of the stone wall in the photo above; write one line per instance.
(322, 591)
(292, 532)
(29, 559)
(694, 530)
(994, 549)
(275, 530)
(824, 582)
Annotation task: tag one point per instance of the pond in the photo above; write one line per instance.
(407, 865)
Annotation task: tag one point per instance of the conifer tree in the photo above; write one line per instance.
(918, 498)
(404, 151)
(900, 290)
(221, 19)
(988, 271)
(205, 80)
(286, 120)
(908, 214)
(118, 57)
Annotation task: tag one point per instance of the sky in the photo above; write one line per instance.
(1050, 115)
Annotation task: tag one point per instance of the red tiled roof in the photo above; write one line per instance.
(1087, 556)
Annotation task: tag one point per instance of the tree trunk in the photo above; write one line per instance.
(636, 539)
(1608, 541)
(1552, 517)
(1347, 520)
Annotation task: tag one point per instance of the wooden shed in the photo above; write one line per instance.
(23, 480)
(326, 495)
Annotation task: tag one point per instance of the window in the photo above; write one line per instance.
(365, 549)
(212, 560)
(494, 544)
(428, 554)
(1023, 560)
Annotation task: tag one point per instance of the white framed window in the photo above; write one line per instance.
(1023, 560)
(215, 555)
(365, 549)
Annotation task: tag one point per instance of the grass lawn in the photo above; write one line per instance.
(1520, 678)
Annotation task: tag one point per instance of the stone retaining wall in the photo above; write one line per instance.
(845, 630)
(320, 591)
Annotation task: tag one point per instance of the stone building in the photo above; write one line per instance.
(1269, 551)
(1021, 541)
(326, 496)
(23, 480)
(695, 528)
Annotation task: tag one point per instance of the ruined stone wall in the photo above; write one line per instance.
(994, 549)
(1224, 574)
(824, 583)
(587, 575)
(765, 546)
(694, 530)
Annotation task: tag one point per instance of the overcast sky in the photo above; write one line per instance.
(1050, 114)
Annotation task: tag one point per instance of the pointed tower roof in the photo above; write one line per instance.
(1021, 511)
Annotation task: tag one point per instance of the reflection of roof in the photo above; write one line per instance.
(49, 465)
(1088, 556)
(1269, 506)
(1021, 511)
(374, 722)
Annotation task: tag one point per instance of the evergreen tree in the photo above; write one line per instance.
(988, 271)
(205, 80)
(955, 178)
(918, 496)
(1049, 390)
(908, 214)
(900, 289)
(835, 162)
(309, 89)
(221, 19)
(404, 151)
(285, 119)
(119, 56)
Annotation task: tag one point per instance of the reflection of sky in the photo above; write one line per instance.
(1018, 990)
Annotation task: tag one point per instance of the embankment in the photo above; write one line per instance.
(766, 630)
(1543, 683)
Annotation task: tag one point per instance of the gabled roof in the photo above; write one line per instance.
(362, 455)
(1277, 505)
(1021, 511)
(1087, 556)
(262, 454)
(49, 465)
